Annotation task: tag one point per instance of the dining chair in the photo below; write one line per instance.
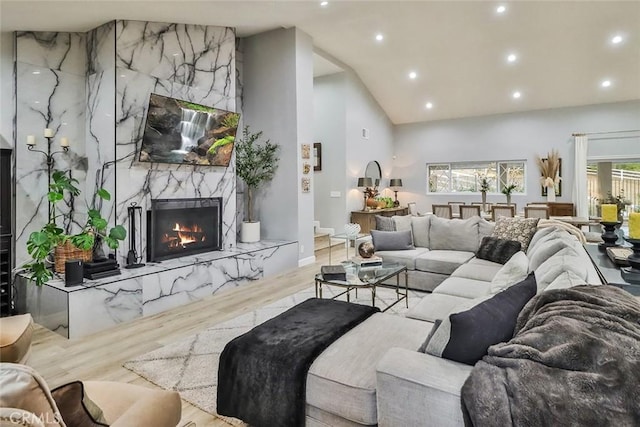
(455, 207)
(515, 207)
(536, 212)
(503, 210)
(468, 211)
(413, 210)
(443, 211)
(487, 205)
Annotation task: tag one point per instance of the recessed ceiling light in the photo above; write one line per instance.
(429, 105)
(35, 72)
(501, 9)
(512, 57)
(516, 95)
(122, 75)
(379, 37)
(605, 83)
(616, 39)
(324, 3)
(413, 75)
(36, 102)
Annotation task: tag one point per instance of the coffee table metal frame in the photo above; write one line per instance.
(372, 283)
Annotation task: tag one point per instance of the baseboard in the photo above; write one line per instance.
(306, 261)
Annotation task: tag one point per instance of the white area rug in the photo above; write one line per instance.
(190, 366)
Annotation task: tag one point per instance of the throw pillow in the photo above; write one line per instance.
(485, 228)
(565, 260)
(391, 240)
(75, 406)
(514, 271)
(454, 234)
(520, 229)
(497, 250)
(546, 249)
(539, 234)
(566, 279)
(466, 334)
(403, 223)
(420, 230)
(385, 223)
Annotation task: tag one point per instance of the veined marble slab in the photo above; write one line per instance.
(77, 311)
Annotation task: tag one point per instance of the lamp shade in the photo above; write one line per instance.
(365, 182)
(395, 182)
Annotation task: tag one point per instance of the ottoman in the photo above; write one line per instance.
(15, 338)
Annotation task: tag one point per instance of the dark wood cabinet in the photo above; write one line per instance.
(560, 208)
(367, 219)
(6, 237)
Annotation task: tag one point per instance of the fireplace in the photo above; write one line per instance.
(179, 227)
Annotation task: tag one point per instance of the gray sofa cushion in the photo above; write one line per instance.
(385, 223)
(392, 240)
(443, 262)
(403, 222)
(342, 380)
(484, 272)
(435, 306)
(407, 258)
(463, 287)
(485, 228)
(565, 260)
(520, 229)
(420, 227)
(539, 234)
(466, 333)
(546, 249)
(476, 261)
(566, 279)
(454, 234)
(514, 271)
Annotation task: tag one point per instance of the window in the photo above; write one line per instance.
(465, 177)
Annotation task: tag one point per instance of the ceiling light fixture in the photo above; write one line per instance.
(605, 83)
(413, 75)
(429, 105)
(324, 3)
(35, 72)
(516, 95)
(512, 57)
(501, 9)
(616, 39)
(379, 37)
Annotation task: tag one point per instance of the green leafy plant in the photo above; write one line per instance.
(231, 121)
(42, 242)
(507, 190)
(484, 185)
(256, 163)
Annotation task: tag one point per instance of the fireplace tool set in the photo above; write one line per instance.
(134, 212)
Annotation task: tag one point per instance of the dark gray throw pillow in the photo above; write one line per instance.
(385, 223)
(468, 331)
(391, 240)
(498, 250)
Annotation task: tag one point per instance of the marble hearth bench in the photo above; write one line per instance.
(96, 305)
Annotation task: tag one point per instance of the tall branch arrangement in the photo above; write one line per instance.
(549, 169)
(256, 163)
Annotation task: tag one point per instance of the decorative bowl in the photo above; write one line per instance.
(352, 230)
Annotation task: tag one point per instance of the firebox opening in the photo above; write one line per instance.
(179, 227)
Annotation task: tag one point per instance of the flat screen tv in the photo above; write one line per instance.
(182, 132)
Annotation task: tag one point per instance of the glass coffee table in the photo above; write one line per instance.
(368, 278)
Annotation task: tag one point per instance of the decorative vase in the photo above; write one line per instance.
(250, 232)
(484, 201)
(508, 199)
(372, 203)
(352, 230)
(551, 194)
(67, 251)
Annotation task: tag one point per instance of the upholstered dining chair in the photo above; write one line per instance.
(503, 210)
(443, 211)
(413, 210)
(468, 211)
(533, 211)
(487, 206)
(515, 207)
(455, 207)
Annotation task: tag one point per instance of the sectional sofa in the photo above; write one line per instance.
(375, 375)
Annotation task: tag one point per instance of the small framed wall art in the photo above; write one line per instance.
(317, 156)
(306, 151)
(306, 185)
(306, 168)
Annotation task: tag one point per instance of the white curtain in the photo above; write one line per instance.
(580, 191)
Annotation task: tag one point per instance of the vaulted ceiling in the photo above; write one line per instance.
(458, 50)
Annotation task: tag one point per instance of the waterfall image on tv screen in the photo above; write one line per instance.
(182, 132)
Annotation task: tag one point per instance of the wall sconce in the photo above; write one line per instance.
(365, 182)
(396, 185)
(48, 134)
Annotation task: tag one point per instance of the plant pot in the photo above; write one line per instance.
(484, 201)
(250, 232)
(66, 252)
(508, 199)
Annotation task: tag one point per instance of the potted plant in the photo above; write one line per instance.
(484, 187)
(507, 190)
(256, 164)
(52, 238)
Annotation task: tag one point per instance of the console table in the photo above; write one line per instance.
(367, 219)
(608, 271)
(559, 208)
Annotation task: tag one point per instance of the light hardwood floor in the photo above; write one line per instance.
(100, 356)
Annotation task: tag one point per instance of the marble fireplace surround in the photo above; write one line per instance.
(96, 305)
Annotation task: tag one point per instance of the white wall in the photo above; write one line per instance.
(501, 137)
(6, 89)
(343, 107)
(278, 79)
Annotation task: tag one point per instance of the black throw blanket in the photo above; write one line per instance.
(574, 361)
(263, 374)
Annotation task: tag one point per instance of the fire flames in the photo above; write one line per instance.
(182, 236)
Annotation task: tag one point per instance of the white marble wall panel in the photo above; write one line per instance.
(48, 305)
(102, 307)
(53, 50)
(101, 48)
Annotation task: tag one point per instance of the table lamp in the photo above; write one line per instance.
(365, 182)
(396, 185)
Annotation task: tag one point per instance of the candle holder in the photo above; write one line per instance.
(609, 236)
(632, 273)
(49, 159)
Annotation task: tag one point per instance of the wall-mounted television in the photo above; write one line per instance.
(178, 131)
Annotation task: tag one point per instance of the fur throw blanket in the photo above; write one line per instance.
(574, 361)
